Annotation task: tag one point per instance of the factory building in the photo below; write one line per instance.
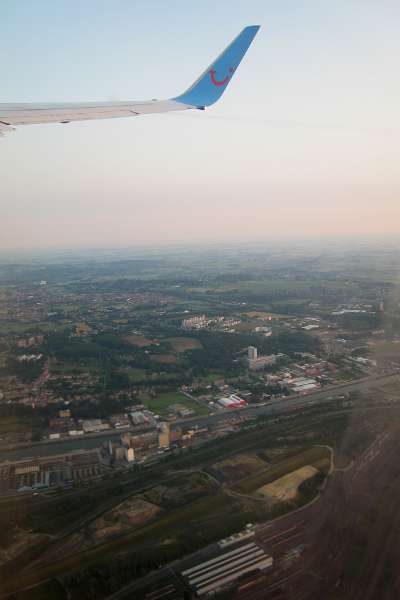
(141, 442)
(94, 425)
(139, 418)
(302, 385)
(175, 435)
(233, 401)
(84, 465)
(119, 453)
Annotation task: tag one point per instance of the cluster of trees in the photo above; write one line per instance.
(26, 371)
(107, 350)
(222, 351)
(310, 486)
(111, 356)
(360, 322)
(109, 576)
(65, 348)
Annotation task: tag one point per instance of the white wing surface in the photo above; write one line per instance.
(206, 90)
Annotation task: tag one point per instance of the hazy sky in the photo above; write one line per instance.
(305, 142)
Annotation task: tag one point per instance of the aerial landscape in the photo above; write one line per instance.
(199, 300)
(145, 395)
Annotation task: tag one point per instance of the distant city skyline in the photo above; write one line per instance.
(303, 145)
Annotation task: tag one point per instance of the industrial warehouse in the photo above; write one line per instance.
(216, 573)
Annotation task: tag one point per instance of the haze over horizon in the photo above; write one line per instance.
(303, 144)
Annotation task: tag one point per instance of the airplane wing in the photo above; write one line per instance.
(206, 90)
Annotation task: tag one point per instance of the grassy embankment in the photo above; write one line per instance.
(317, 457)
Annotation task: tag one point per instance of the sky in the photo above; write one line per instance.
(304, 143)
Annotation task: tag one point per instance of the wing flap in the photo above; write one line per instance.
(34, 114)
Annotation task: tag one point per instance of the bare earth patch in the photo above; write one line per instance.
(139, 340)
(82, 328)
(181, 492)
(239, 466)
(130, 514)
(166, 359)
(22, 540)
(286, 487)
(181, 344)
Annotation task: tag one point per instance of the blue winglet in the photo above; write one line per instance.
(210, 86)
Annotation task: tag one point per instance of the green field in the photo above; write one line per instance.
(211, 377)
(160, 403)
(137, 375)
(42, 327)
(385, 349)
(264, 314)
(73, 368)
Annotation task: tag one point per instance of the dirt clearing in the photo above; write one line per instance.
(235, 468)
(181, 344)
(139, 340)
(286, 487)
(132, 513)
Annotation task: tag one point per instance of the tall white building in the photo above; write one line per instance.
(256, 362)
(129, 454)
(252, 353)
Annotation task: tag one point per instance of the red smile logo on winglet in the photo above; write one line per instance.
(224, 81)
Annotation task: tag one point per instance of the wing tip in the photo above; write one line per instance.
(211, 84)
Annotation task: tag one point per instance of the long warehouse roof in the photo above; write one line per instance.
(226, 567)
(219, 558)
(216, 584)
